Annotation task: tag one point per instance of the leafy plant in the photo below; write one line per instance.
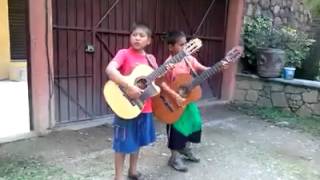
(259, 32)
(314, 6)
(296, 45)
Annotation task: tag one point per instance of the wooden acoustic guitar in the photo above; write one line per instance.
(165, 107)
(142, 76)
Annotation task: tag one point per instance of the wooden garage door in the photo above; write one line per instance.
(104, 25)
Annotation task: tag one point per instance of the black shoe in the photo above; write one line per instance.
(137, 176)
(189, 155)
(177, 164)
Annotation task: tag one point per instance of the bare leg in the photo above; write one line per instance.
(133, 163)
(119, 162)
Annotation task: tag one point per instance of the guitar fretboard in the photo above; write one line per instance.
(206, 74)
(162, 69)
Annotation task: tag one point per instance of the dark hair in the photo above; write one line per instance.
(143, 27)
(172, 37)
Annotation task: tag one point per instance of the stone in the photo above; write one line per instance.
(256, 85)
(258, 11)
(310, 97)
(284, 3)
(264, 102)
(265, 4)
(294, 102)
(252, 96)
(243, 84)
(279, 99)
(276, 10)
(240, 95)
(282, 13)
(283, 123)
(292, 89)
(275, 2)
(255, 1)
(316, 109)
(277, 21)
(250, 10)
(304, 111)
(285, 20)
(267, 13)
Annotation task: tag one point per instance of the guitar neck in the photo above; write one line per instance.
(163, 69)
(206, 74)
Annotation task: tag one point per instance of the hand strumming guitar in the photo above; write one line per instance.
(133, 91)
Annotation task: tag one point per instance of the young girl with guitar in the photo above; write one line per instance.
(188, 127)
(130, 135)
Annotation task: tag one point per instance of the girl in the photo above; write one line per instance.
(130, 135)
(188, 127)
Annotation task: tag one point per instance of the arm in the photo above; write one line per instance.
(165, 87)
(115, 76)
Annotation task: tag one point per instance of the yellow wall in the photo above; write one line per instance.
(8, 69)
(4, 40)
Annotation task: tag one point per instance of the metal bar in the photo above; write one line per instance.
(65, 92)
(204, 17)
(74, 76)
(107, 13)
(77, 69)
(185, 16)
(68, 83)
(104, 45)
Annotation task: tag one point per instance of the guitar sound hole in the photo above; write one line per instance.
(142, 83)
(183, 92)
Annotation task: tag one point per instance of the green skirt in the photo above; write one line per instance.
(186, 129)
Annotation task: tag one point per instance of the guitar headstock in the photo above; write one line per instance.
(234, 54)
(192, 46)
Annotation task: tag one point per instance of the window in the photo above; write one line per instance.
(18, 31)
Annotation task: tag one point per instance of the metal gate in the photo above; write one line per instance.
(88, 33)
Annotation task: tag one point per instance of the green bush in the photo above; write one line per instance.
(259, 32)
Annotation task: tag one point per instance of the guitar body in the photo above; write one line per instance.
(165, 107)
(117, 100)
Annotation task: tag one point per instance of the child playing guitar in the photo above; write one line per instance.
(188, 127)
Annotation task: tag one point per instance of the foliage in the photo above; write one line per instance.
(259, 32)
(296, 45)
(314, 5)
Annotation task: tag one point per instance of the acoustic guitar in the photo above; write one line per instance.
(142, 76)
(165, 107)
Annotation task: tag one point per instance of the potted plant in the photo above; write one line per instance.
(297, 46)
(269, 48)
(263, 46)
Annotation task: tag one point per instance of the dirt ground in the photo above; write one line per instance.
(234, 147)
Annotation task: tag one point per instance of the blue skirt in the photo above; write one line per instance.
(130, 135)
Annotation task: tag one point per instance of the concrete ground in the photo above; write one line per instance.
(234, 147)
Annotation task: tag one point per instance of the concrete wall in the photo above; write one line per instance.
(298, 96)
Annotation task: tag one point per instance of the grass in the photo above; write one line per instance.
(281, 118)
(16, 168)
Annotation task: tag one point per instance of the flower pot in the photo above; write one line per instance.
(270, 62)
(288, 72)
